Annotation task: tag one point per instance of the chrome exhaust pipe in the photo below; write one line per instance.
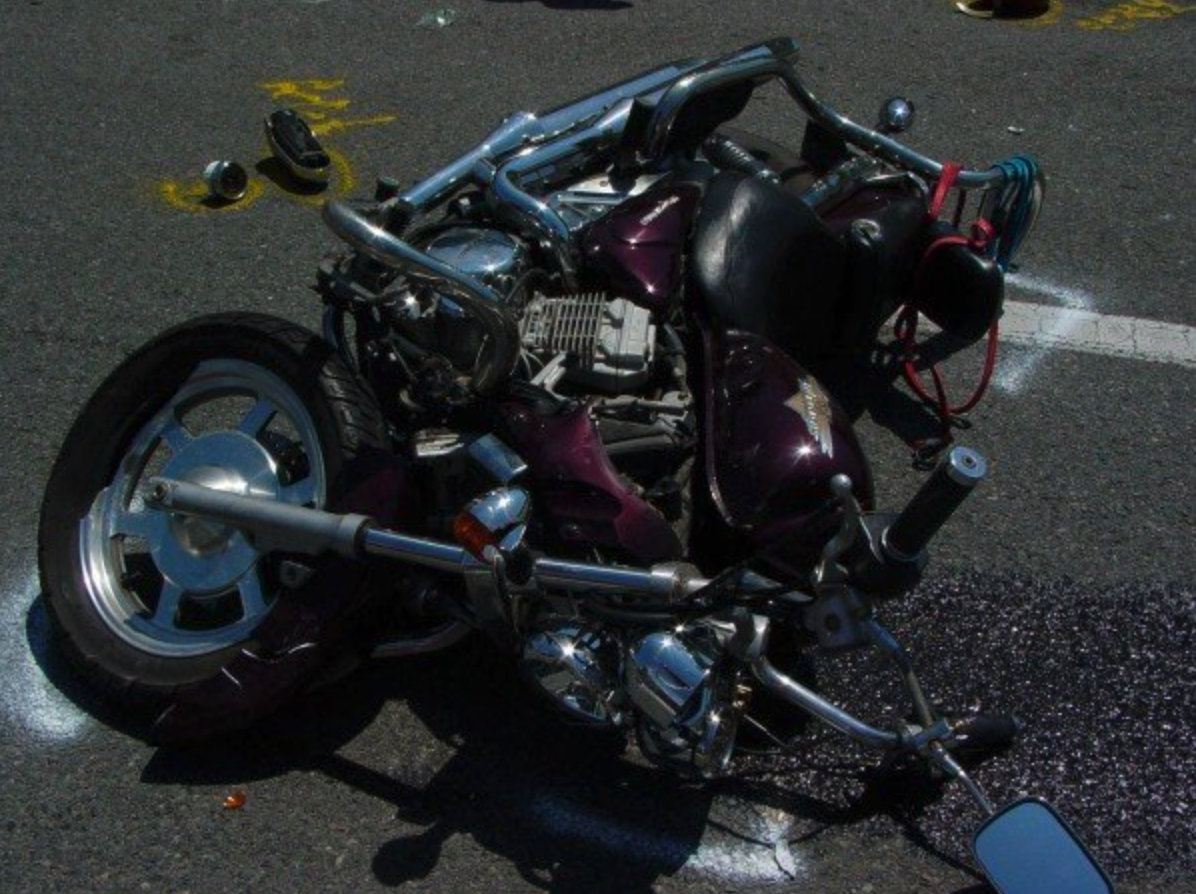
(500, 351)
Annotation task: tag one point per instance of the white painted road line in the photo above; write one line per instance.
(1040, 325)
(28, 700)
(1066, 296)
(731, 862)
(1017, 368)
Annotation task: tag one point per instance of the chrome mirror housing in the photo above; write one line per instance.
(1026, 848)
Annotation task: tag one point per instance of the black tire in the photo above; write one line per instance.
(346, 421)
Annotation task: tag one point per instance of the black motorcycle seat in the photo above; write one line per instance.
(764, 262)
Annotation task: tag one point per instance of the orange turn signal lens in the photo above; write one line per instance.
(473, 535)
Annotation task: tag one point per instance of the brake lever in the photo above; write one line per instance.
(829, 571)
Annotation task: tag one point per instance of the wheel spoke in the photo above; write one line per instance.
(257, 418)
(253, 599)
(168, 604)
(175, 436)
(301, 493)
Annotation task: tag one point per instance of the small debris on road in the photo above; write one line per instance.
(227, 181)
(438, 18)
(1003, 9)
(235, 801)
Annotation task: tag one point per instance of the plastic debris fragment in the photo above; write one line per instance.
(235, 801)
(1003, 9)
(1014, 129)
(438, 18)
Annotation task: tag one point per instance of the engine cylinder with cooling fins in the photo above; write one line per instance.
(610, 343)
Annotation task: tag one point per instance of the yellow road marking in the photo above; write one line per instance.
(1123, 17)
(192, 196)
(1052, 16)
(305, 91)
(322, 102)
(1128, 16)
(341, 184)
(338, 125)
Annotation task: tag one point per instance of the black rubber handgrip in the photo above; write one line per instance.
(953, 479)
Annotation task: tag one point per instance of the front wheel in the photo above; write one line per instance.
(150, 602)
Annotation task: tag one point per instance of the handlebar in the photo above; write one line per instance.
(940, 495)
(595, 124)
(881, 144)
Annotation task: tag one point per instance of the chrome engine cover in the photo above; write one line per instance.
(689, 718)
(492, 257)
(570, 664)
(667, 675)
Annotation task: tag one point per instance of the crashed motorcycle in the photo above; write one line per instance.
(560, 397)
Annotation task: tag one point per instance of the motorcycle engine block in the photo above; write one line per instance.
(611, 343)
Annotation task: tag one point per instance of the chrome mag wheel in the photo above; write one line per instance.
(174, 586)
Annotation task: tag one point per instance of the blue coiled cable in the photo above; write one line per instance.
(1015, 205)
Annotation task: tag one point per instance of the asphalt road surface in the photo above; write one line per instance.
(1064, 592)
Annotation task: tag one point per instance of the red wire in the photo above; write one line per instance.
(905, 330)
(906, 326)
(946, 179)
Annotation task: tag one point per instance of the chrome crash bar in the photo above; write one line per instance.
(813, 703)
(526, 142)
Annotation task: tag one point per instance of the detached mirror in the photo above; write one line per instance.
(1026, 848)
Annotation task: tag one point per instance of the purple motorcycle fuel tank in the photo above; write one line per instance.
(640, 245)
(773, 439)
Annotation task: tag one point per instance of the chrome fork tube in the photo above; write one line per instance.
(662, 583)
(434, 554)
(281, 526)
